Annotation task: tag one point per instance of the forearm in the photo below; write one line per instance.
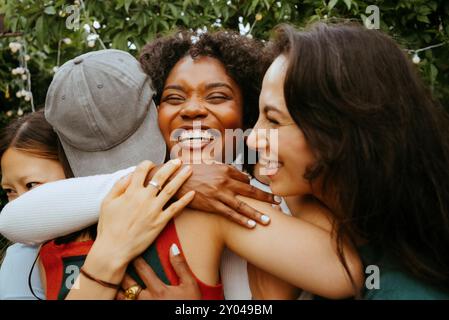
(103, 265)
(296, 251)
(56, 209)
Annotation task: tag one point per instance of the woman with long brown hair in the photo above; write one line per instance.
(357, 125)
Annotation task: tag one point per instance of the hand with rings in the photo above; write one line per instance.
(132, 214)
(187, 289)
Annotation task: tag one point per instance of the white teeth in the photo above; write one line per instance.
(195, 135)
(269, 164)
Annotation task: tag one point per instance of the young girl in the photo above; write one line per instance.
(30, 156)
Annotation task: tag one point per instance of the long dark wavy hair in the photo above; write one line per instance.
(380, 140)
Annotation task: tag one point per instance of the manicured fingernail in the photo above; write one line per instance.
(278, 199)
(176, 161)
(186, 169)
(252, 223)
(265, 218)
(174, 249)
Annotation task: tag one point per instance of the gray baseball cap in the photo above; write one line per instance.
(101, 106)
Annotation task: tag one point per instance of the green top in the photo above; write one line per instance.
(394, 283)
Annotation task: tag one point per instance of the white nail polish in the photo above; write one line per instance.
(265, 219)
(252, 223)
(176, 161)
(278, 199)
(174, 249)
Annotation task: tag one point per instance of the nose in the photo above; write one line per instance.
(193, 110)
(257, 140)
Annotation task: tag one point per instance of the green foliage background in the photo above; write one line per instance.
(413, 23)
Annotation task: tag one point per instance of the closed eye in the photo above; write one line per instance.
(7, 190)
(173, 99)
(218, 98)
(273, 121)
(31, 185)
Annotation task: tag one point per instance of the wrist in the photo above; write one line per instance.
(106, 264)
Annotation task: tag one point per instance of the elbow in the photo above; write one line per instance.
(350, 284)
(10, 224)
(4, 219)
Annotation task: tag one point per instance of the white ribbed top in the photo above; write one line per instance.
(62, 207)
(57, 208)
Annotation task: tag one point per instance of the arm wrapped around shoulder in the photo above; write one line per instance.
(56, 209)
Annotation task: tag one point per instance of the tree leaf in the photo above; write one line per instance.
(433, 73)
(41, 31)
(424, 19)
(120, 41)
(50, 10)
(332, 4)
(127, 5)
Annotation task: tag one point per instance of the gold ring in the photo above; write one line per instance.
(132, 292)
(155, 184)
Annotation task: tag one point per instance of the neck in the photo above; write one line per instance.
(299, 203)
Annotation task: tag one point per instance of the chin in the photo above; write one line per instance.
(283, 189)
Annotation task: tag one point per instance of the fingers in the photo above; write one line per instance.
(250, 191)
(163, 174)
(119, 187)
(233, 215)
(172, 187)
(128, 282)
(140, 174)
(120, 295)
(177, 206)
(180, 266)
(149, 278)
(238, 175)
(242, 208)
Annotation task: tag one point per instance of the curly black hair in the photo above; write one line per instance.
(244, 58)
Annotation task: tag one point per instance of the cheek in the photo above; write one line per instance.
(296, 157)
(165, 117)
(299, 154)
(229, 115)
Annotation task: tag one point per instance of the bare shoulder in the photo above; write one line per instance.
(197, 219)
(202, 243)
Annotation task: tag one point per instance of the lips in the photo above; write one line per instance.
(269, 167)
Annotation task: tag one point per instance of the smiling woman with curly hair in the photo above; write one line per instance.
(244, 59)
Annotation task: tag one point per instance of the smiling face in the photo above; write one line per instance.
(283, 149)
(199, 101)
(22, 171)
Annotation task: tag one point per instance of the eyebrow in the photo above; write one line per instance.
(174, 86)
(208, 86)
(218, 85)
